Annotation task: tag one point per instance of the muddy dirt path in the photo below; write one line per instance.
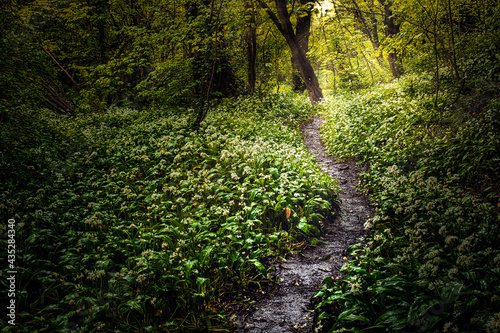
(288, 308)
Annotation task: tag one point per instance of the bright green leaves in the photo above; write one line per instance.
(307, 228)
(430, 261)
(150, 223)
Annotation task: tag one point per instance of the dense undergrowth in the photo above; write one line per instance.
(129, 221)
(432, 262)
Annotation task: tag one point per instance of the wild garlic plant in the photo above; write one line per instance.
(132, 221)
(431, 263)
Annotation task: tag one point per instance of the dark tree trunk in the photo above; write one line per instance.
(453, 56)
(251, 41)
(282, 22)
(391, 28)
(99, 13)
(375, 41)
(302, 31)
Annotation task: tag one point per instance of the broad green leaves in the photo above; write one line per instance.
(430, 263)
(148, 223)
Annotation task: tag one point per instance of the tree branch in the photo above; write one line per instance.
(55, 100)
(203, 114)
(61, 67)
(271, 15)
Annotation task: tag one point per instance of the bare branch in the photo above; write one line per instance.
(61, 67)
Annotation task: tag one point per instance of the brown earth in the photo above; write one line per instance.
(288, 308)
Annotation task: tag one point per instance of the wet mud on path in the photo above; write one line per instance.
(288, 308)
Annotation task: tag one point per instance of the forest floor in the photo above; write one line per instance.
(288, 307)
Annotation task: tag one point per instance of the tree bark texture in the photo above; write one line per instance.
(391, 28)
(302, 31)
(284, 25)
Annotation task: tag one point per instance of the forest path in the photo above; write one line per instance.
(288, 308)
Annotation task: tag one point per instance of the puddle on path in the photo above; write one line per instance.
(288, 308)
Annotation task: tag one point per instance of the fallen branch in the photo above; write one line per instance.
(61, 67)
(55, 101)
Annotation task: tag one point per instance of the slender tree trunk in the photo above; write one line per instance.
(347, 51)
(374, 26)
(370, 29)
(452, 44)
(251, 41)
(436, 60)
(202, 113)
(358, 15)
(391, 28)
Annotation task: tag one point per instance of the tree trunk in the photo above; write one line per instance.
(302, 31)
(391, 28)
(370, 29)
(376, 41)
(453, 57)
(306, 71)
(251, 41)
(358, 15)
(282, 22)
(374, 22)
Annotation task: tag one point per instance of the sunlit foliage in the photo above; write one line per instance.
(432, 263)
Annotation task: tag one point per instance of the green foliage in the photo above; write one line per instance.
(134, 53)
(345, 56)
(129, 221)
(18, 61)
(431, 263)
(394, 125)
(455, 40)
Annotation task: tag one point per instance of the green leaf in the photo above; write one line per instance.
(262, 269)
